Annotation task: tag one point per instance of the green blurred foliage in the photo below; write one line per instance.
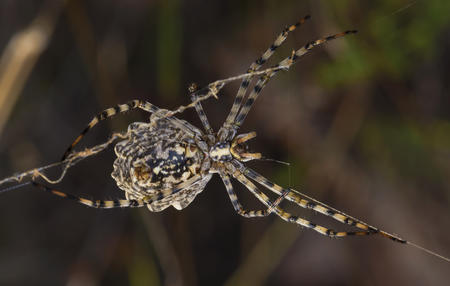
(169, 46)
(143, 271)
(391, 42)
(399, 149)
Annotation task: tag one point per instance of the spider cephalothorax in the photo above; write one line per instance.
(226, 151)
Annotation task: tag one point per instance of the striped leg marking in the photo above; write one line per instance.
(295, 197)
(237, 205)
(255, 66)
(260, 84)
(291, 218)
(235, 202)
(121, 108)
(199, 109)
(99, 204)
(308, 47)
(111, 204)
(107, 113)
(284, 63)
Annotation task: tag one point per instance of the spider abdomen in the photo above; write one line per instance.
(166, 164)
(154, 158)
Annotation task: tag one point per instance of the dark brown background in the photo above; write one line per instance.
(364, 122)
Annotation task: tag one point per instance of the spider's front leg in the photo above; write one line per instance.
(256, 65)
(285, 64)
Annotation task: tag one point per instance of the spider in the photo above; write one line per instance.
(168, 161)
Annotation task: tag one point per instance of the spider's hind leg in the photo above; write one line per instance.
(107, 113)
(121, 203)
(122, 108)
(99, 204)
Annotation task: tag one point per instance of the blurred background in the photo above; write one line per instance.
(364, 122)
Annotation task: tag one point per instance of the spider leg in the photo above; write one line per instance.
(202, 116)
(100, 204)
(286, 216)
(107, 113)
(287, 62)
(119, 203)
(199, 108)
(237, 205)
(254, 67)
(121, 108)
(317, 206)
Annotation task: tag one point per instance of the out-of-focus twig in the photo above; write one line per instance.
(21, 54)
(265, 255)
(167, 257)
